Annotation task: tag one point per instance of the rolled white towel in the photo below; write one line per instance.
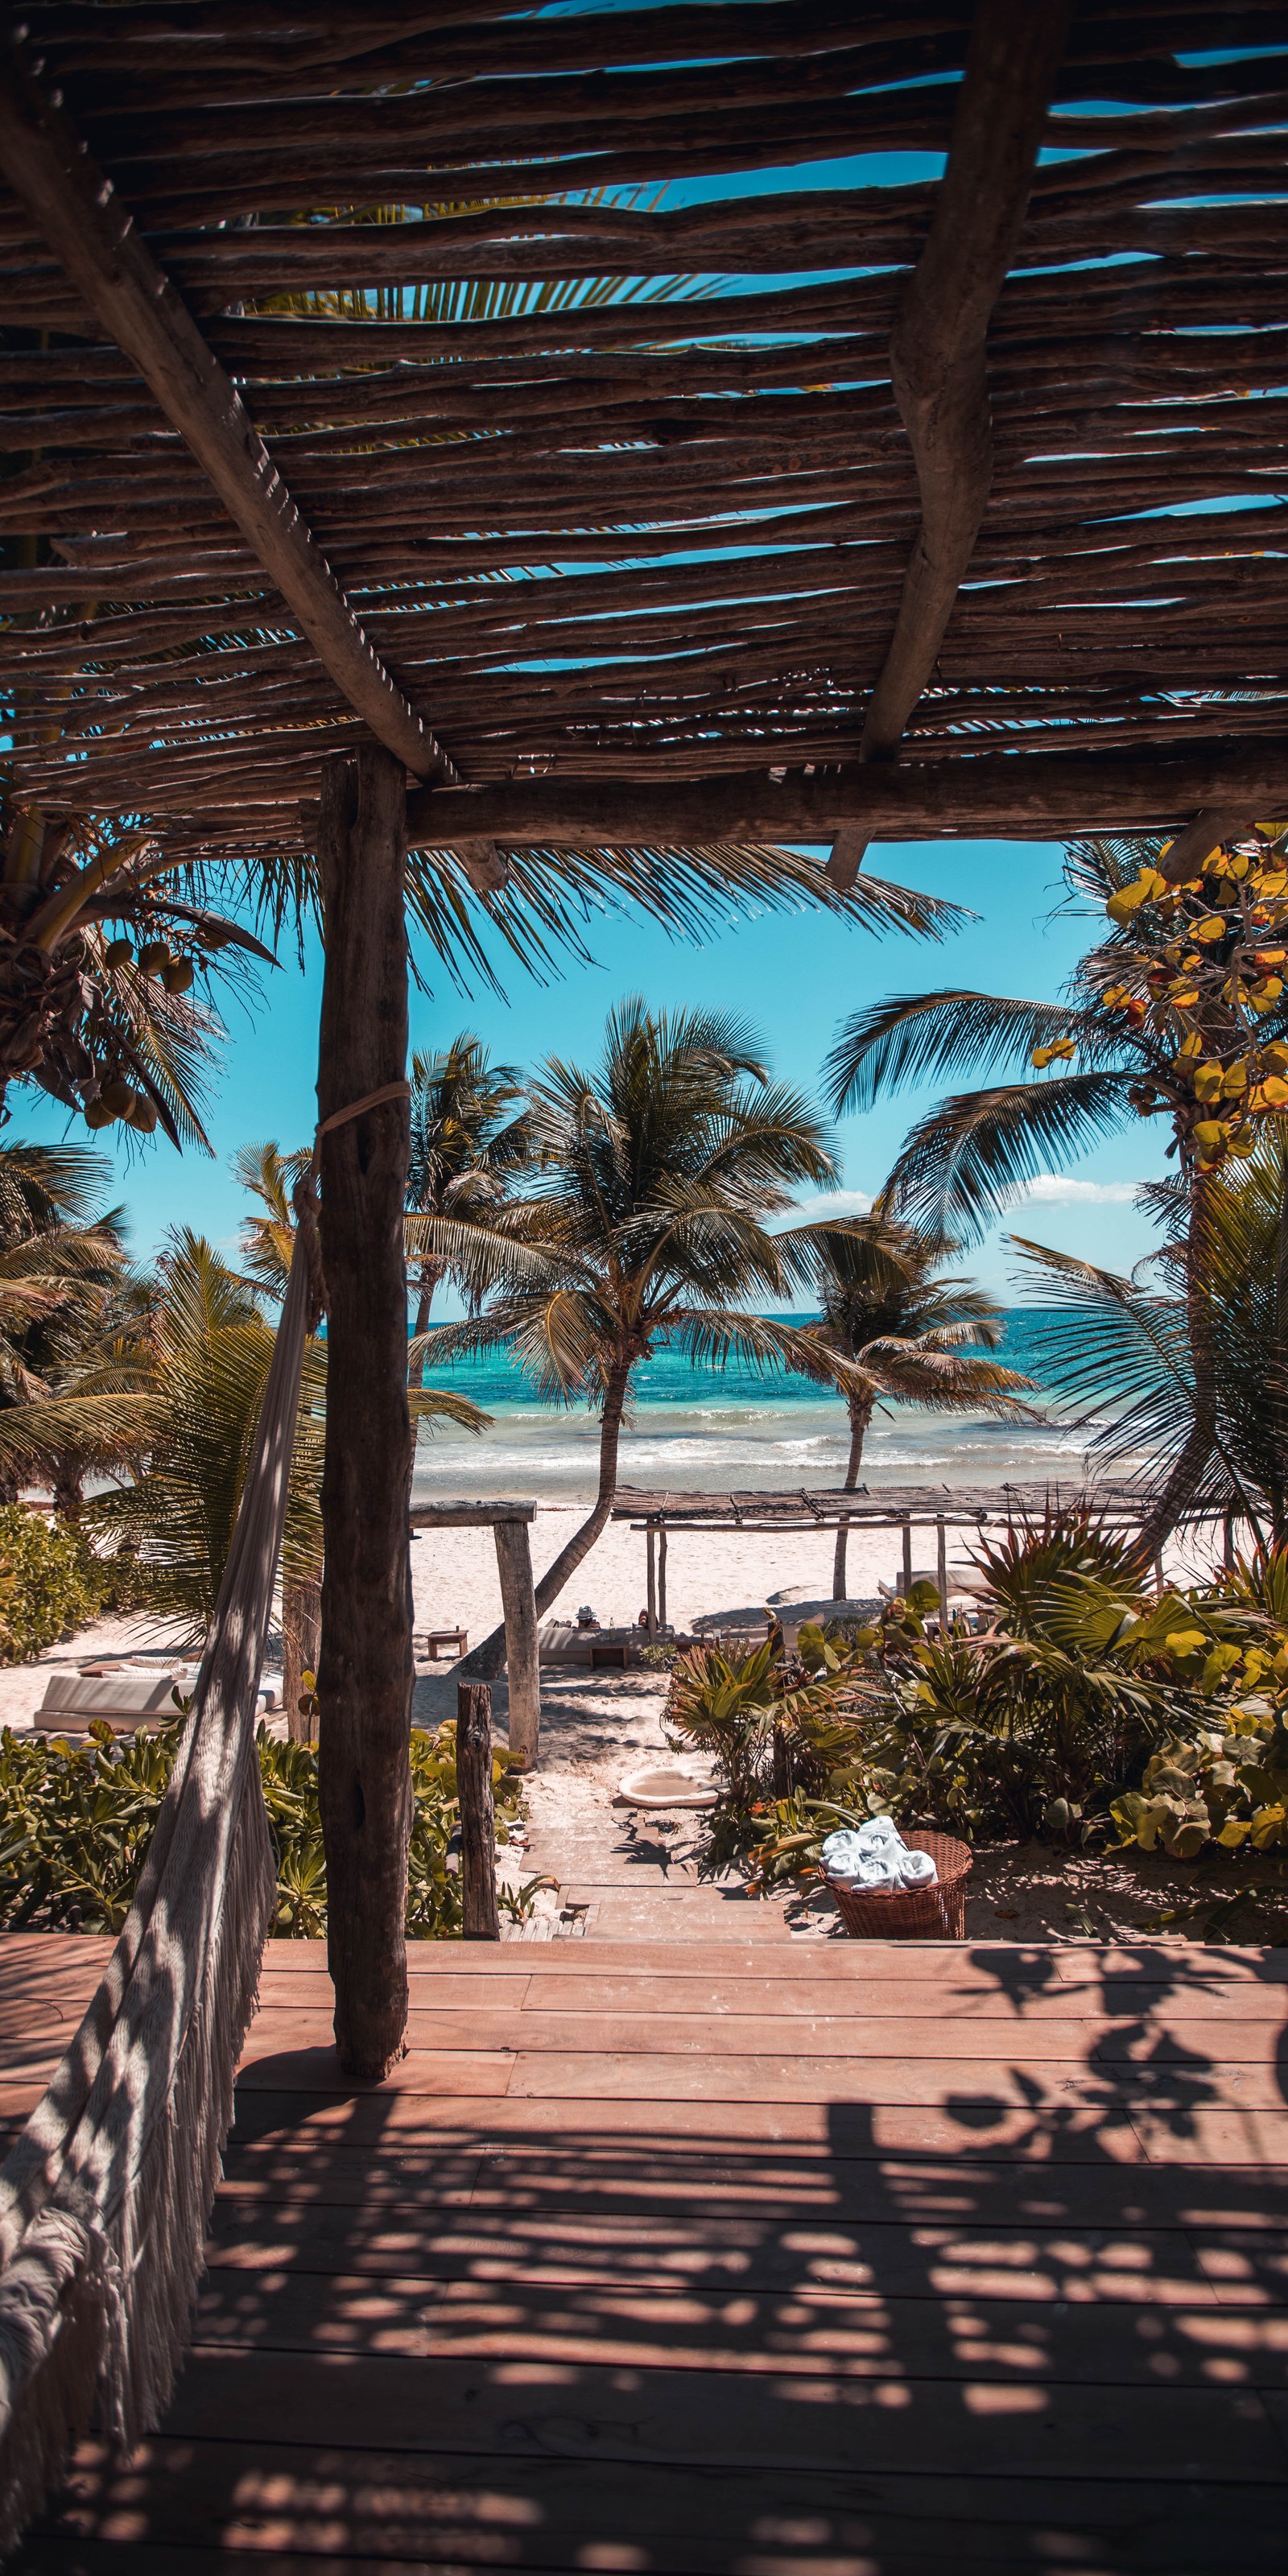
(874, 1856)
(917, 1869)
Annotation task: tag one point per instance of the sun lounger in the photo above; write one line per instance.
(124, 1697)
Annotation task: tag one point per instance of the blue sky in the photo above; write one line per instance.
(794, 977)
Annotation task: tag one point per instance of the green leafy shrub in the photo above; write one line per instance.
(1086, 1711)
(76, 1821)
(51, 1583)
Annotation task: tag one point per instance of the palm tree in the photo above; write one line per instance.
(659, 1169)
(908, 1333)
(169, 1408)
(1137, 1037)
(106, 949)
(267, 1245)
(1124, 1347)
(62, 1264)
(466, 1148)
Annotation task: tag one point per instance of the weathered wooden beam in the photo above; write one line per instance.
(365, 1671)
(1009, 796)
(937, 351)
(93, 236)
(522, 1667)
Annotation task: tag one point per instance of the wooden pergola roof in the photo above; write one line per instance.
(771, 514)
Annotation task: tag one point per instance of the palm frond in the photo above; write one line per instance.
(970, 1156)
(911, 1036)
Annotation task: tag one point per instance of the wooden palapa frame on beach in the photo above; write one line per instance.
(509, 1524)
(895, 1507)
(892, 509)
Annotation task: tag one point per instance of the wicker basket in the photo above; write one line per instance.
(922, 1913)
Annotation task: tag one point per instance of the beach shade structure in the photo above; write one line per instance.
(539, 545)
(509, 1523)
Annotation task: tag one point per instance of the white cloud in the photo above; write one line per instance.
(1053, 1189)
(830, 1203)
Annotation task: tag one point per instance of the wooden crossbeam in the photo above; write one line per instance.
(1008, 796)
(94, 237)
(938, 347)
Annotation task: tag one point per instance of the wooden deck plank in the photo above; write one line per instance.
(973, 2335)
(371, 2402)
(326, 2512)
(1133, 2265)
(729, 2257)
(1172, 2035)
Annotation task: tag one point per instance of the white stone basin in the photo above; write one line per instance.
(663, 1785)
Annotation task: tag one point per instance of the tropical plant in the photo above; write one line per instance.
(108, 972)
(1179, 1012)
(51, 1583)
(1066, 1717)
(62, 1274)
(656, 1173)
(178, 1397)
(76, 1821)
(1124, 1346)
(469, 1140)
(910, 1334)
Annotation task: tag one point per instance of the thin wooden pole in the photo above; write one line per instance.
(518, 1601)
(481, 1921)
(907, 1558)
(652, 1583)
(661, 1576)
(941, 1571)
(365, 1669)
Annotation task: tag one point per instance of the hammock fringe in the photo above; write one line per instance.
(106, 2194)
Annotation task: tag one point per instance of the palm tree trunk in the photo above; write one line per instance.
(487, 1658)
(1184, 1477)
(430, 1274)
(860, 1417)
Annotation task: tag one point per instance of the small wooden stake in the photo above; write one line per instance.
(661, 1576)
(941, 1570)
(478, 1816)
(652, 1583)
(907, 1559)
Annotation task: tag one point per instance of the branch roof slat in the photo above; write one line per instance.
(621, 490)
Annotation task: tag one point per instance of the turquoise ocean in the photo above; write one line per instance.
(709, 1430)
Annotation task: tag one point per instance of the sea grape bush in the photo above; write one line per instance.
(1207, 984)
(76, 1821)
(51, 1583)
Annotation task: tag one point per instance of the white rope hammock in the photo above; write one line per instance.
(105, 2196)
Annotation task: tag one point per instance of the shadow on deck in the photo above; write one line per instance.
(877, 2261)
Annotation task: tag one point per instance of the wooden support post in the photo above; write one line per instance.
(941, 1574)
(365, 1669)
(1160, 1578)
(907, 1559)
(518, 1603)
(652, 1583)
(661, 1576)
(478, 1816)
(301, 1640)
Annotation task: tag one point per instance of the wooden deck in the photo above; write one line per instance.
(728, 2255)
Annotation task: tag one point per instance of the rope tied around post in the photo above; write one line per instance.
(304, 1196)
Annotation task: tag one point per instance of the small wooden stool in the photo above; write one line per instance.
(453, 1641)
